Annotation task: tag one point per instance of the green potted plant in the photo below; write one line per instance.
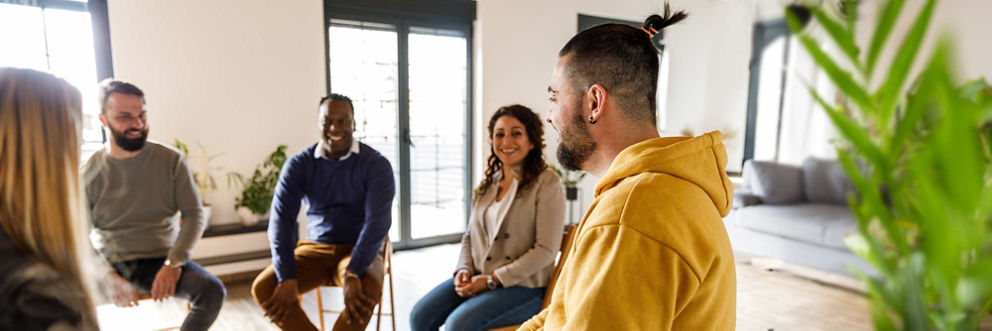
(203, 177)
(920, 164)
(257, 190)
(570, 179)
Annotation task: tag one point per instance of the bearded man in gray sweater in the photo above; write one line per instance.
(134, 189)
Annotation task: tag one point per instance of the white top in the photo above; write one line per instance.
(321, 151)
(496, 211)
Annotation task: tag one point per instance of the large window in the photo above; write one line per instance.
(769, 73)
(66, 38)
(409, 75)
(784, 124)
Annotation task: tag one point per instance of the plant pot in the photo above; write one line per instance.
(249, 218)
(571, 193)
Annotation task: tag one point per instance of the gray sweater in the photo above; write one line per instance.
(133, 204)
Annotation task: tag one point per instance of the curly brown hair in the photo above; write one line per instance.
(534, 161)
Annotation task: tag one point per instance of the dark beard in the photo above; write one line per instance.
(576, 143)
(129, 144)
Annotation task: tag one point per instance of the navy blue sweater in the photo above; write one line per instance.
(350, 203)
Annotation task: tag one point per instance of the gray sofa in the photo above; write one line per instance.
(797, 214)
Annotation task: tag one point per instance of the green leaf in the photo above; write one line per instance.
(892, 87)
(956, 140)
(864, 211)
(857, 136)
(849, 10)
(857, 243)
(975, 289)
(985, 205)
(840, 35)
(916, 107)
(886, 20)
(881, 317)
(941, 244)
(840, 77)
(181, 147)
(974, 90)
(915, 312)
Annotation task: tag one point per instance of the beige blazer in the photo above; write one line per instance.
(524, 250)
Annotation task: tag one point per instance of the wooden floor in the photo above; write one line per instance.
(789, 298)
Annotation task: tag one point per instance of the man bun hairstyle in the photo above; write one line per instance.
(658, 22)
(623, 60)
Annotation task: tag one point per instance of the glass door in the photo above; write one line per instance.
(438, 131)
(364, 67)
(410, 83)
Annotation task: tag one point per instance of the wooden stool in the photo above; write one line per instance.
(387, 253)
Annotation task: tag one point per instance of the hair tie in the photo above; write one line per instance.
(651, 31)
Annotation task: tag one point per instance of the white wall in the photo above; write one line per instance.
(710, 52)
(958, 19)
(240, 77)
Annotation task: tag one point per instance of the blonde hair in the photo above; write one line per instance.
(40, 206)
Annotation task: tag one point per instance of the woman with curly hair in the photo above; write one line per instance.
(508, 252)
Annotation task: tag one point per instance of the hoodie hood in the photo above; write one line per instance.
(700, 160)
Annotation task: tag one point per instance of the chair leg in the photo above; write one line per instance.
(320, 308)
(392, 306)
(378, 319)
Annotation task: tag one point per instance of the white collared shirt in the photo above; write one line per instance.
(320, 151)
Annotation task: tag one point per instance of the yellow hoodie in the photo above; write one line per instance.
(652, 252)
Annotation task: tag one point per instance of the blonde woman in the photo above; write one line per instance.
(41, 286)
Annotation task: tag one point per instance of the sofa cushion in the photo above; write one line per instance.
(834, 236)
(774, 183)
(820, 224)
(825, 181)
(744, 198)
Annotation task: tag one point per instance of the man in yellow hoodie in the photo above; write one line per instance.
(651, 252)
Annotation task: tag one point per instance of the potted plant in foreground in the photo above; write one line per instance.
(921, 164)
(256, 195)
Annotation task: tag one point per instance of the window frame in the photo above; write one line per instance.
(100, 25)
(456, 15)
(763, 35)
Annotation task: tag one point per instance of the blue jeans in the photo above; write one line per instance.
(204, 291)
(495, 308)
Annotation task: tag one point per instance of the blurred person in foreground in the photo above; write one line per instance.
(42, 241)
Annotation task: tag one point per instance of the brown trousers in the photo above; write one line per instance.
(320, 265)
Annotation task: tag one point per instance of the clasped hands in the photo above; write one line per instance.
(468, 286)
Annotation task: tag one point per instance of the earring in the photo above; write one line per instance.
(592, 121)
